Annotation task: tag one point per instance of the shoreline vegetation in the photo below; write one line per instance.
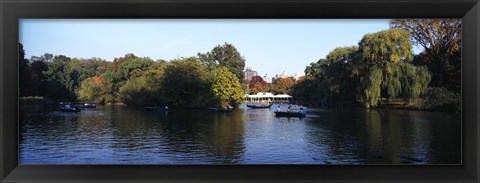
(381, 72)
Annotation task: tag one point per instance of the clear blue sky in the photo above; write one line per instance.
(269, 46)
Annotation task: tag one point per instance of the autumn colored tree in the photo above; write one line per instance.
(283, 85)
(441, 38)
(257, 84)
(96, 89)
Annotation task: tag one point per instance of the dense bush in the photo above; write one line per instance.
(440, 99)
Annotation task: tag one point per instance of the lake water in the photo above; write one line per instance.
(133, 135)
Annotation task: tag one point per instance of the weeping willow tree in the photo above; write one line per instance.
(370, 87)
(407, 81)
(385, 71)
(379, 68)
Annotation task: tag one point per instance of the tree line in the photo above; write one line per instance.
(210, 79)
(278, 85)
(383, 68)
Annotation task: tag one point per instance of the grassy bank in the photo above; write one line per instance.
(31, 100)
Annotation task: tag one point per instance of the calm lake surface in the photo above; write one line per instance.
(133, 135)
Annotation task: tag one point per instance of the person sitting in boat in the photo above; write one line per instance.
(166, 107)
(301, 110)
(290, 106)
(278, 108)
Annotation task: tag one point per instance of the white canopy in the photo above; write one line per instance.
(268, 95)
(283, 96)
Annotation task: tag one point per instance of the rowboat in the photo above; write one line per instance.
(157, 108)
(88, 105)
(290, 114)
(260, 105)
(69, 108)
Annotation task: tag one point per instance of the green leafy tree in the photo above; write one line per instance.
(440, 99)
(37, 83)
(370, 87)
(77, 71)
(121, 70)
(380, 48)
(64, 75)
(441, 39)
(407, 81)
(118, 61)
(226, 89)
(144, 89)
(225, 55)
(306, 90)
(133, 67)
(57, 80)
(339, 75)
(137, 91)
(333, 78)
(24, 73)
(380, 67)
(185, 84)
(385, 70)
(46, 57)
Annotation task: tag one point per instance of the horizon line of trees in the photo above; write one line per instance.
(210, 79)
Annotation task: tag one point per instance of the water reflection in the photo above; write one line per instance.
(131, 135)
(385, 137)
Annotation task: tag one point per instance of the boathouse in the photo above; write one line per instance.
(264, 97)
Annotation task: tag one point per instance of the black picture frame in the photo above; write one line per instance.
(12, 10)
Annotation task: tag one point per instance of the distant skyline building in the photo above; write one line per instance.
(249, 73)
(284, 74)
(267, 78)
(298, 76)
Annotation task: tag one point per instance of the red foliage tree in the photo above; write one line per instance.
(257, 85)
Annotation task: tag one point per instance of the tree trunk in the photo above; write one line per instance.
(441, 71)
